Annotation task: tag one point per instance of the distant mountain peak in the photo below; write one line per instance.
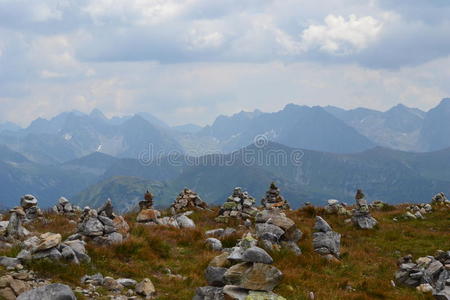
(98, 114)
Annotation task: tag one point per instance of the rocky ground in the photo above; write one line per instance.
(166, 262)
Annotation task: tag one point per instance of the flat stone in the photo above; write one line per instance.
(256, 255)
(214, 276)
(54, 291)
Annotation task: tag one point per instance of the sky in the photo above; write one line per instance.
(188, 61)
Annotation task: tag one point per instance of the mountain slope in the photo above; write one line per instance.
(435, 133)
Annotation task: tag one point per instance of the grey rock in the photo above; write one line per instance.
(263, 228)
(214, 244)
(256, 255)
(52, 254)
(54, 291)
(327, 243)
(184, 222)
(214, 276)
(322, 225)
(209, 293)
(9, 261)
(127, 282)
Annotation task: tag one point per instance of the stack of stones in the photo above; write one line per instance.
(273, 198)
(239, 205)
(187, 200)
(334, 207)
(102, 226)
(361, 214)
(275, 230)
(49, 245)
(326, 242)
(150, 216)
(118, 287)
(13, 230)
(147, 214)
(64, 207)
(441, 200)
(29, 204)
(243, 272)
(418, 211)
(429, 274)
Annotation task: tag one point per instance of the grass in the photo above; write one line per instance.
(367, 266)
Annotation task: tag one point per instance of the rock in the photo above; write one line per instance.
(15, 230)
(146, 288)
(325, 240)
(257, 255)
(239, 205)
(425, 288)
(214, 276)
(148, 215)
(92, 227)
(322, 225)
(24, 255)
(9, 261)
(184, 222)
(19, 286)
(28, 201)
(54, 291)
(256, 276)
(127, 282)
(48, 240)
(106, 209)
(265, 230)
(221, 261)
(209, 293)
(214, 244)
(111, 284)
(215, 232)
(7, 294)
(273, 199)
(186, 200)
(52, 254)
(361, 215)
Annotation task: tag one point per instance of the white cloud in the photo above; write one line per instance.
(339, 36)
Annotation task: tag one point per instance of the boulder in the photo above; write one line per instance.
(214, 244)
(255, 276)
(214, 276)
(54, 291)
(146, 288)
(256, 255)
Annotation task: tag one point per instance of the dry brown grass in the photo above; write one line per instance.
(366, 269)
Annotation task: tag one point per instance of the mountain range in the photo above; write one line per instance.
(399, 155)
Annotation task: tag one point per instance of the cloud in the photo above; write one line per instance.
(190, 60)
(341, 37)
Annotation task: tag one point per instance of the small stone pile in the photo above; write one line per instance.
(150, 216)
(49, 245)
(243, 272)
(440, 200)
(239, 205)
(187, 200)
(334, 207)
(429, 274)
(275, 230)
(19, 284)
(130, 287)
(13, 230)
(326, 242)
(273, 198)
(29, 204)
(377, 204)
(418, 211)
(361, 214)
(102, 226)
(64, 207)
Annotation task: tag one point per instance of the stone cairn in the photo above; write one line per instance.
(326, 242)
(64, 207)
(102, 226)
(273, 198)
(361, 214)
(239, 205)
(150, 216)
(275, 230)
(243, 272)
(187, 200)
(429, 274)
(417, 211)
(440, 200)
(13, 230)
(29, 204)
(334, 207)
(144, 289)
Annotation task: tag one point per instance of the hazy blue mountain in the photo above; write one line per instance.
(188, 128)
(9, 126)
(153, 120)
(296, 126)
(303, 175)
(397, 128)
(71, 135)
(435, 133)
